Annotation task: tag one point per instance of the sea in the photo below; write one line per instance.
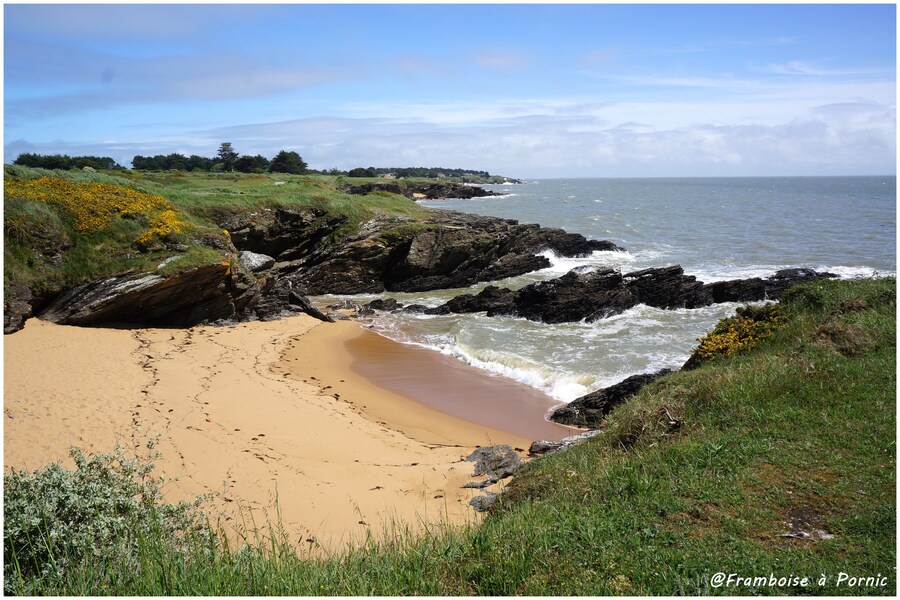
(715, 228)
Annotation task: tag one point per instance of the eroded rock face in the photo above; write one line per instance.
(16, 307)
(207, 293)
(446, 250)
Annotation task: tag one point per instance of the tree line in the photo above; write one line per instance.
(409, 172)
(228, 160)
(63, 161)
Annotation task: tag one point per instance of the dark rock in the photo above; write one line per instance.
(497, 462)
(386, 304)
(285, 234)
(667, 287)
(550, 447)
(344, 305)
(755, 288)
(415, 308)
(512, 265)
(274, 302)
(16, 307)
(600, 293)
(302, 303)
(590, 410)
(535, 238)
(207, 293)
(483, 503)
(573, 297)
(785, 278)
(490, 298)
(544, 447)
(737, 290)
(446, 250)
(415, 190)
(479, 485)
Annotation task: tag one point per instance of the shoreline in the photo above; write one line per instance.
(452, 387)
(269, 416)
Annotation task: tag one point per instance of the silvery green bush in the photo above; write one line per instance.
(108, 511)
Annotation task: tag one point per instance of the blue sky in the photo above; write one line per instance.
(520, 90)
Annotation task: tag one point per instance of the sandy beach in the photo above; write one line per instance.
(263, 414)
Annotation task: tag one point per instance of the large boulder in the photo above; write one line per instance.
(573, 297)
(497, 462)
(256, 262)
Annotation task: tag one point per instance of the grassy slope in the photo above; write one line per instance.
(699, 473)
(201, 199)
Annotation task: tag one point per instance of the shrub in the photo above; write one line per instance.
(57, 520)
(740, 332)
(94, 206)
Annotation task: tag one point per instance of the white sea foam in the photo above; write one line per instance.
(714, 273)
(564, 387)
(855, 272)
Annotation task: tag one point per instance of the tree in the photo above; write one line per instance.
(63, 161)
(228, 156)
(251, 164)
(199, 163)
(362, 172)
(288, 162)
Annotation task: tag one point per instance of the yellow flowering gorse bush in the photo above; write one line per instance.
(94, 206)
(740, 332)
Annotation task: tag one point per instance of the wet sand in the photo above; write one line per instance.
(454, 388)
(258, 413)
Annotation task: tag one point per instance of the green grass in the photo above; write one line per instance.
(44, 252)
(701, 473)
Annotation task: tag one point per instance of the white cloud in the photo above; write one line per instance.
(807, 69)
(565, 138)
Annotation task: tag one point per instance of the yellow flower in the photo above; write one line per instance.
(94, 206)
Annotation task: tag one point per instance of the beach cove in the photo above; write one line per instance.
(269, 417)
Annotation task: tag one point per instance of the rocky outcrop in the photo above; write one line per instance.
(771, 288)
(604, 292)
(208, 293)
(421, 190)
(306, 251)
(590, 410)
(445, 250)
